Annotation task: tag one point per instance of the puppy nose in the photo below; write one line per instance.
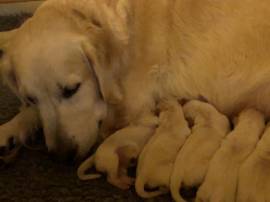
(63, 154)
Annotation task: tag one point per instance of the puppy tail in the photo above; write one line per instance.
(139, 186)
(87, 164)
(175, 185)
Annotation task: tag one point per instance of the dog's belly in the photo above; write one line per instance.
(213, 49)
(229, 94)
(222, 56)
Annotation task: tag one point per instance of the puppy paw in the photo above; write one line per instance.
(11, 137)
(8, 141)
(8, 148)
(127, 180)
(123, 182)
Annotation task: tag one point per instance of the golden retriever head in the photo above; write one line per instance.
(61, 60)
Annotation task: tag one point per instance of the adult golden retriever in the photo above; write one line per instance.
(74, 61)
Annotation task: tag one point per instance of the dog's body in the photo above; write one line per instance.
(193, 48)
(191, 164)
(157, 158)
(221, 180)
(180, 48)
(77, 58)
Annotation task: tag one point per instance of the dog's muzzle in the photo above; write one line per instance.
(65, 151)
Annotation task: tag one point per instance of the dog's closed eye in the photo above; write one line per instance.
(68, 92)
(31, 100)
(1, 53)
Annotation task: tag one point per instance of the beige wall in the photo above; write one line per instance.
(16, 8)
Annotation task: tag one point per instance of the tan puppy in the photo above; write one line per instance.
(220, 183)
(114, 154)
(191, 164)
(157, 158)
(254, 173)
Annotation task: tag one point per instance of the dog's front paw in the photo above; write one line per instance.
(123, 182)
(9, 141)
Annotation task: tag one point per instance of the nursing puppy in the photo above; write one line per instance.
(191, 164)
(113, 156)
(254, 173)
(220, 183)
(157, 158)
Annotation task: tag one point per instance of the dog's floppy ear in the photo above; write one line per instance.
(116, 14)
(109, 15)
(108, 83)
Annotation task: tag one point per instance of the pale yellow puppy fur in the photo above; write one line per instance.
(114, 155)
(254, 173)
(157, 158)
(191, 164)
(220, 184)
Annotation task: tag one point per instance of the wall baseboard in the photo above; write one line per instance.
(17, 8)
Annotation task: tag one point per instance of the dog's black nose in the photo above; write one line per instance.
(63, 154)
(71, 155)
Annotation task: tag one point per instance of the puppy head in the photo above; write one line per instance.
(54, 65)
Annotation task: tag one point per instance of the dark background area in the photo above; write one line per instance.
(34, 176)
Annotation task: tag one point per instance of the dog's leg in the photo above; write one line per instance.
(254, 174)
(17, 130)
(220, 183)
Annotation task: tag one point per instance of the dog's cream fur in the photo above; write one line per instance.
(220, 183)
(134, 53)
(191, 164)
(157, 158)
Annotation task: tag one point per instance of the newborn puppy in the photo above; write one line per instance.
(157, 158)
(254, 173)
(114, 154)
(220, 183)
(192, 161)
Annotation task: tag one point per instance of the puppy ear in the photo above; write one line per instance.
(108, 83)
